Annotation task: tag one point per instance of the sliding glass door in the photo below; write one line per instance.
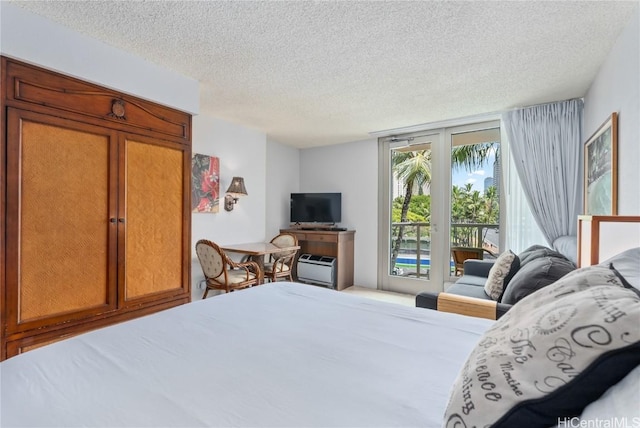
(439, 191)
(475, 189)
(409, 223)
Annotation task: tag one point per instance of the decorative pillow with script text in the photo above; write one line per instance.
(553, 353)
(505, 266)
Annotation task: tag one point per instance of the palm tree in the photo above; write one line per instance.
(472, 156)
(413, 168)
(491, 204)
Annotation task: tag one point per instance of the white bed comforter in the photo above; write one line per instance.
(278, 355)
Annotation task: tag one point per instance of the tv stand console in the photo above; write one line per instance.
(326, 229)
(332, 243)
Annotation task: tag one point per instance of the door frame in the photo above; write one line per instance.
(395, 283)
(449, 132)
(441, 200)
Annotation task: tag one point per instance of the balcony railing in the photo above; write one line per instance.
(414, 253)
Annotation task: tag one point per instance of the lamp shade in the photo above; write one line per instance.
(236, 188)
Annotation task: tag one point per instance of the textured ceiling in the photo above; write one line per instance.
(311, 73)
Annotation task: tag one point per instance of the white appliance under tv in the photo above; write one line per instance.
(320, 270)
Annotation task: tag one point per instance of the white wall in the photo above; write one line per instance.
(39, 41)
(242, 152)
(616, 88)
(283, 178)
(352, 169)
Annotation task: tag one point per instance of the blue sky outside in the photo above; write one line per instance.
(461, 176)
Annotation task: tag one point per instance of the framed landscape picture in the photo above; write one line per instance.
(600, 169)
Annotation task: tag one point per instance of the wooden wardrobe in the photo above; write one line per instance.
(95, 207)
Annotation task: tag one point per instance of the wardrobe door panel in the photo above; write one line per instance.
(154, 206)
(95, 218)
(61, 252)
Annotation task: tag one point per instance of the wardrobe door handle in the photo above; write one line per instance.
(121, 220)
(112, 220)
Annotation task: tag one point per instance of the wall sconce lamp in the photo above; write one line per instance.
(235, 190)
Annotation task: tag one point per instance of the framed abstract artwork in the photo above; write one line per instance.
(601, 169)
(205, 184)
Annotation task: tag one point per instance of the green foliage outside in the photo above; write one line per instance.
(471, 206)
(467, 205)
(419, 209)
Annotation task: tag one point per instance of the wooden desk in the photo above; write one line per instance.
(338, 244)
(257, 251)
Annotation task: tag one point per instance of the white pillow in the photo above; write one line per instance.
(502, 270)
(627, 264)
(620, 403)
(618, 406)
(567, 246)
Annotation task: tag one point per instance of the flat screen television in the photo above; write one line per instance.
(316, 207)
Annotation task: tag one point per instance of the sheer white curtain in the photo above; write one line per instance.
(545, 142)
(520, 227)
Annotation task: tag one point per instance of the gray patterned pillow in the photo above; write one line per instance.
(501, 272)
(553, 353)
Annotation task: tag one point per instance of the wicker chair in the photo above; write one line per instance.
(222, 273)
(280, 265)
(460, 254)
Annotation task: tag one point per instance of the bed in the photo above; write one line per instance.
(293, 355)
(282, 354)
